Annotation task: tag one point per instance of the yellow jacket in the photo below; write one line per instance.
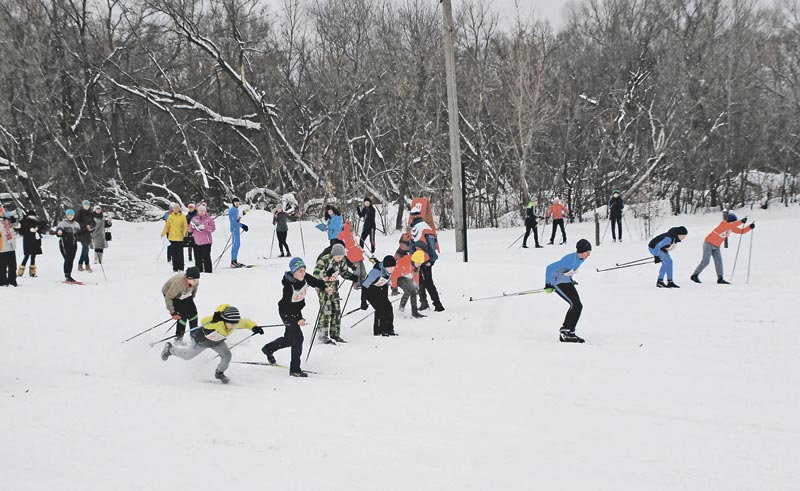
(176, 227)
(217, 331)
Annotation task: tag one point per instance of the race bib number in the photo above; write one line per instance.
(381, 281)
(725, 234)
(215, 336)
(569, 273)
(185, 295)
(300, 295)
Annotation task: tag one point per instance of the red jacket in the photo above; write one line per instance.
(405, 268)
(723, 230)
(557, 210)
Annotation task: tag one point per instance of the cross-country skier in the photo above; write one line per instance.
(557, 211)
(330, 267)
(280, 219)
(713, 242)
(615, 206)
(424, 238)
(659, 247)
(32, 230)
(85, 220)
(8, 247)
(334, 226)
(179, 292)
(406, 276)
(202, 227)
(295, 286)
(375, 289)
(558, 278)
(234, 217)
(175, 229)
(99, 242)
(367, 212)
(213, 332)
(531, 225)
(67, 230)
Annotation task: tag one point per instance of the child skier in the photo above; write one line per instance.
(8, 247)
(424, 239)
(68, 231)
(558, 278)
(329, 268)
(615, 206)
(375, 289)
(406, 276)
(212, 334)
(234, 217)
(31, 230)
(175, 229)
(280, 219)
(714, 241)
(531, 225)
(295, 285)
(367, 212)
(557, 211)
(659, 247)
(179, 292)
(203, 227)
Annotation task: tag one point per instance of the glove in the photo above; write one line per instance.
(176, 316)
(245, 227)
(258, 330)
(548, 288)
(574, 282)
(217, 317)
(744, 220)
(395, 292)
(656, 259)
(752, 226)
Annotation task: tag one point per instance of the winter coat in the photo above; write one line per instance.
(293, 298)
(99, 233)
(666, 241)
(327, 267)
(334, 226)
(202, 229)
(378, 277)
(562, 270)
(8, 233)
(530, 216)
(175, 228)
(557, 210)
(177, 287)
(85, 220)
(31, 236)
(615, 207)
(424, 239)
(281, 221)
(723, 230)
(233, 217)
(405, 267)
(217, 331)
(368, 214)
(69, 231)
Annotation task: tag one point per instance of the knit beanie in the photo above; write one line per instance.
(389, 262)
(338, 250)
(296, 263)
(731, 217)
(192, 273)
(583, 245)
(418, 257)
(231, 315)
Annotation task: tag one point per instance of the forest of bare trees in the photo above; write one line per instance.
(136, 103)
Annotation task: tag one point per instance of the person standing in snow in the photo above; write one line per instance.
(179, 292)
(8, 248)
(531, 225)
(67, 230)
(86, 222)
(557, 211)
(334, 226)
(234, 218)
(101, 223)
(367, 212)
(175, 229)
(31, 231)
(213, 332)
(202, 227)
(281, 220)
(406, 276)
(189, 242)
(713, 242)
(375, 289)
(558, 278)
(424, 239)
(659, 247)
(615, 206)
(330, 267)
(295, 286)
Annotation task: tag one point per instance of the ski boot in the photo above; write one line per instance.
(671, 284)
(538, 246)
(270, 357)
(550, 243)
(221, 377)
(70, 280)
(721, 281)
(438, 308)
(423, 306)
(401, 308)
(695, 278)
(569, 337)
(298, 374)
(166, 351)
(661, 284)
(32, 272)
(21, 271)
(417, 315)
(326, 340)
(524, 246)
(338, 339)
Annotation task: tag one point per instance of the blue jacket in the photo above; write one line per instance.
(562, 270)
(334, 227)
(233, 217)
(378, 277)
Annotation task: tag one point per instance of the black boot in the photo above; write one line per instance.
(569, 337)
(671, 284)
(298, 374)
(695, 278)
(661, 284)
(221, 377)
(423, 306)
(721, 281)
(417, 315)
(270, 357)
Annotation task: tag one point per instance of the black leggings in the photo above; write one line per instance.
(177, 255)
(368, 233)
(8, 268)
(616, 222)
(570, 295)
(282, 242)
(202, 257)
(25, 259)
(528, 229)
(188, 311)
(68, 251)
(558, 223)
(292, 336)
(426, 286)
(383, 322)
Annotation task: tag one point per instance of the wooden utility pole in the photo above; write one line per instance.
(457, 175)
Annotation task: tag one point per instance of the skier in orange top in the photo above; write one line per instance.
(714, 241)
(557, 210)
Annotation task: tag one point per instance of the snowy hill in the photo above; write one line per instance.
(695, 388)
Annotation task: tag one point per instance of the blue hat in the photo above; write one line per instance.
(86, 202)
(70, 211)
(296, 263)
(731, 217)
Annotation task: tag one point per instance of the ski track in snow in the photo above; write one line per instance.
(695, 388)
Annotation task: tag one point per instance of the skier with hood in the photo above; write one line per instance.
(659, 247)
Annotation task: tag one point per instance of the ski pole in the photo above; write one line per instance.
(749, 256)
(316, 326)
(147, 330)
(736, 258)
(351, 312)
(367, 316)
(621, 267)
(512, 244)
(227, 245)
(352, 283)
(515, 294)
(103, 271)
(163, 246)
(302, 240)
(240, 342)
(644, 259)
(272, 244)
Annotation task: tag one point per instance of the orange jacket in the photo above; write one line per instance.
(724, 229)
(404, 268)
(557, 210)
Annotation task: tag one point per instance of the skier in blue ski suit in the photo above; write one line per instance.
(659, 247)
(558, 278)
(236, 229)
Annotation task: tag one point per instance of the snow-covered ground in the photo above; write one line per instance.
(695, 388)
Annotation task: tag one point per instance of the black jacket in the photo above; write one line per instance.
(31, 240)
(293, 300)
(530, 216)
(368, 214)
(672, 233)
(615, 206)
(85, 219)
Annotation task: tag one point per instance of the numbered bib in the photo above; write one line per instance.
(185, 295)
(300, 295)
(215, 336)
(381, 281)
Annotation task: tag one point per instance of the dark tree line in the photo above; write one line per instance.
(136, 103)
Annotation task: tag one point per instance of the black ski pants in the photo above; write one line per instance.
(292, 336)
(68, 252)
(528, 229)
(202, 258)
(188, 312)
(31, 256)
(383, 322)
(570, 295)
(427, 287)
(558, 223)
(282, 243)
(616, 222)
(177, 255)
(368, 233)
(8, 268)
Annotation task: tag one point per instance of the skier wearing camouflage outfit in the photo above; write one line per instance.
(329, 268)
